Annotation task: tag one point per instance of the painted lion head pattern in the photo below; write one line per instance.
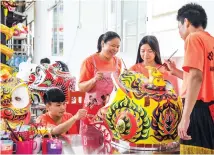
(15, 101)
(55, 75)
(143, 110)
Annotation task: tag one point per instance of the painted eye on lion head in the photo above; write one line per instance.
(20, 97)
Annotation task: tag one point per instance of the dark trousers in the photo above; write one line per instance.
(201, 126)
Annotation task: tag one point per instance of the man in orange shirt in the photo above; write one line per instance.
(196, 128)
(56, 118)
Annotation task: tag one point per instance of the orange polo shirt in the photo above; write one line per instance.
(199, 54)
(88, 67)
(46, 120)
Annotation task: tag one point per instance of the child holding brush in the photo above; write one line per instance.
(57, 118)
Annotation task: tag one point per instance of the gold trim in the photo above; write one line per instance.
(7, 31)
(188, 149)
(6, 50)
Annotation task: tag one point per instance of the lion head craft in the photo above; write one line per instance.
(141, 110)
(40, 78)
(15, 100)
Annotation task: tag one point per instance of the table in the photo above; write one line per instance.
(76, 147)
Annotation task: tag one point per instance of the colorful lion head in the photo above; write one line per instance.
(40, 78)
(15, 100)
(142, 110)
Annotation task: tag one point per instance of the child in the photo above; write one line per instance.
(57, 118)
(45, 61)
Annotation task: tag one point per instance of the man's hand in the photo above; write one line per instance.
(170, 66)
(81, 113)
(182, 129)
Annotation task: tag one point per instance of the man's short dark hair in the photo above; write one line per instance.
(45, 60)
(194, 13)
(54, 95)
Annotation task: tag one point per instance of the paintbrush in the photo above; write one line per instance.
(124, 64)
(19, 136)
(98, 70)
(168, 59)
(11, 130)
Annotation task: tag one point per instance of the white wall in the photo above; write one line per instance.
(163, 23)
(81, 33)
(84, 22)
(208, 5)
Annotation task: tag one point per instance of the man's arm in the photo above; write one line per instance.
(173, 70)
(193, 88)
(178, 73)
(194, 84)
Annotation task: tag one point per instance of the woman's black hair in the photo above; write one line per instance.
(54, 95)
(153, 43)
(99, 43)
(108, 36)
